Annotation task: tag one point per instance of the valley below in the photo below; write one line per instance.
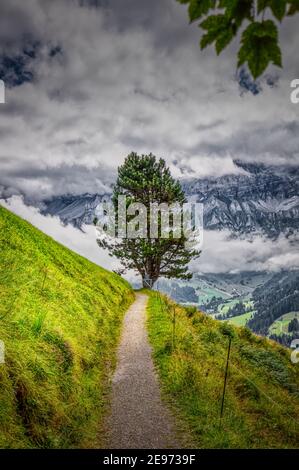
(244, 299)
(261, 202)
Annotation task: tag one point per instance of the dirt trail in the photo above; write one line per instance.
(138, 417)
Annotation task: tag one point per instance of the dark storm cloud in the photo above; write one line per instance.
(15, 70)
(91, 81)
(36, 183)
(271, 144)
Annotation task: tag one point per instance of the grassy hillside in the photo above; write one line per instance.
(240, 320)
(262, 397)
(280, 326)
(60, 317)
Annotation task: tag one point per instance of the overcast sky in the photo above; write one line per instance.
(89, 81)
(220, 253)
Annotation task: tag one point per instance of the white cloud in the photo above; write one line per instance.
(82, 242)
(220, 252)
(223, 253)
(205, 166)
(131, 79)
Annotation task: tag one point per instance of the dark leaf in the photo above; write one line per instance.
(294, 7)
(219, 30)
(278, 7)
(224, 39)
(198, 8)
(238, 10)
(259, 47)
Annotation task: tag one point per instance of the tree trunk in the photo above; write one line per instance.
(148, 282)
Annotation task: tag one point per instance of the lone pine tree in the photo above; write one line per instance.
(144, 179)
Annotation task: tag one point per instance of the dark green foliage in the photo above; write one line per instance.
(190, 311)
(227, 329)
(223, 19)
(278, 7)
(247, 389)
(219, 30)
(293, 325)
(259, 47)
(294, 7)
(269, 362)
(144, 179)
(284, 339)
(179, 293)
(197, 8)
(245, 333)
(277, 297)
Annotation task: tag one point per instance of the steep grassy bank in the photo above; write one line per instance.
(261, 407)
(60, 316)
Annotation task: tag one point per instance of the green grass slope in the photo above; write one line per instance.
(261, 408)
(240, 320)
(60, 317)
(280, 326)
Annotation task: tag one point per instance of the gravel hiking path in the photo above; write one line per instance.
(138, 418)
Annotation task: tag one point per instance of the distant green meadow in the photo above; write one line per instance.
(241, 320)
(280, 326)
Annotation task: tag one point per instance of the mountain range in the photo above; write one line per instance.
(258, 199)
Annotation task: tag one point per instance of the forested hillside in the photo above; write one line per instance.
(278, 296)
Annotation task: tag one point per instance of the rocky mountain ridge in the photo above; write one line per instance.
(258, 199)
